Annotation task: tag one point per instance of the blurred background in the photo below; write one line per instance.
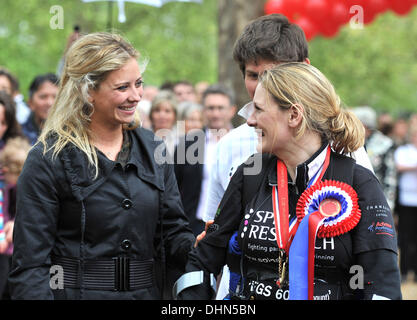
(374, 65)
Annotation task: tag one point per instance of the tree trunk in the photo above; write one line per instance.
(233, 16)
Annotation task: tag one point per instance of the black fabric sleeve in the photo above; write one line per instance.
(210, 254)
(375, 229)
(35, 229)
(374, 239)
(381, 275)
(178, 237)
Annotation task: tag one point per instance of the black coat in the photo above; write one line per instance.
(189, 164)
(63, 211)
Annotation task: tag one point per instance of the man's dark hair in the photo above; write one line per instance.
(41, 79)
(219, 89)
(271, 38)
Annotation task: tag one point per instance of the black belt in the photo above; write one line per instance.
(115, 274)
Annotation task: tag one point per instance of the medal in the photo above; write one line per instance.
(282, 269)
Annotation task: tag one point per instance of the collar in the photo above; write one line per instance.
(305, 171)
(143, 156)
(148, 154)
(246, 111)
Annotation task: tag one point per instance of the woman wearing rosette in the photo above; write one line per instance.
(315, 225)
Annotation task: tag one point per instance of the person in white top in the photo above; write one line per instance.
(406, 162)
(265, 42)
(10, 84)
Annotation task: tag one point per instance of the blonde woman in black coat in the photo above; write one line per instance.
(94, 200)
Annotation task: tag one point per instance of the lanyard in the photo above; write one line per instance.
(284, 231)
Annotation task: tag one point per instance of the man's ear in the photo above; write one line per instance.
(296, 112)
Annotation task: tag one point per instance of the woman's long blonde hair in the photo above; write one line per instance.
(301, 84)
(87, 63)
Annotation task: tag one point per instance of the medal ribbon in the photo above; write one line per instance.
(285, 233)
(281, 220)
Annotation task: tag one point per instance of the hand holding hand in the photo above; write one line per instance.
(203, 234)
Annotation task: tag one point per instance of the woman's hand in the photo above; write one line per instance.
(203, 234)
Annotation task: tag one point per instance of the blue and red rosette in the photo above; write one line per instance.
(326, 209)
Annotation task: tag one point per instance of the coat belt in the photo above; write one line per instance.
(114, 274)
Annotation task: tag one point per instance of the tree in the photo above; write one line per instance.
(374, 65)
(179, 39)
(233, 16)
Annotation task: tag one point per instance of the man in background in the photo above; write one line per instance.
(194, 154)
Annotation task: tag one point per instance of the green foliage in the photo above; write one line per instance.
(375, 65)
(179, 39)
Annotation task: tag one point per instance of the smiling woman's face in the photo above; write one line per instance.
(116, 98)
(271, 120)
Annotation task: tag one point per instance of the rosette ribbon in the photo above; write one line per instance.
(326, 209)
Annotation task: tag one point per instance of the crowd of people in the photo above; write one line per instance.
(94, 197)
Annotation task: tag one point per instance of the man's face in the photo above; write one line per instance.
(254, 69)
(218, 112)
(184, 92)
(252, 72)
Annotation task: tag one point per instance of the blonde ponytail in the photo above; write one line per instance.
(346, 132)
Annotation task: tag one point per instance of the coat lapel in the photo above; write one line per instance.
(80, 174)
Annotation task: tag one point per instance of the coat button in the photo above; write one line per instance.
(126, 244)
(127, 204)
